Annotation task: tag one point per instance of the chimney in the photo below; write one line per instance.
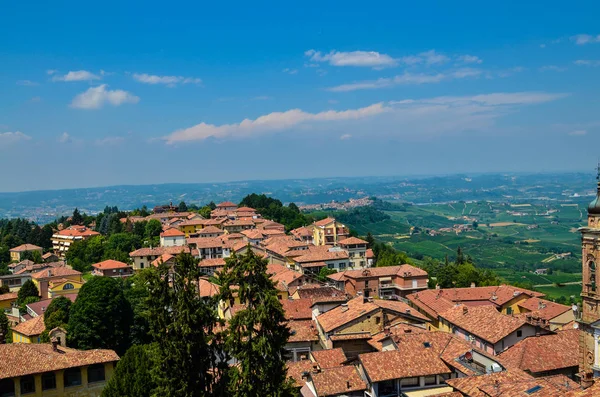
(386, 331)
(348, 384)
(437, 286)
(465, 310)
(472, 285)
(54, 342)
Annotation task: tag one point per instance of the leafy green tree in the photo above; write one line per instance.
(4, 328)
(205, 212)
(77, 218)
(182, 207)
(324, 272)
(133, 375)
(189, 352)
(28, 289)
(137, 295)
(256, 335)
(153, 228)
(34, 256)
(4, 289)
(57, 313)
(100, 318)
(27, 301)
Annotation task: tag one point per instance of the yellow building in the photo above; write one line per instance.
(328, 231)
(29, 331)
(6, 300)
(57, 281)
(47, 370)
(62, 240)
(16, 254)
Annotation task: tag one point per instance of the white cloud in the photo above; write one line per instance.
(370, 59)
(552, 68)
(64, 138)
(110, 141)
(469, 59)
(170, 81)
(408, 78)
(8, 138)
(423, 116)
(345, 137)
(582, 39)
(50, 72)
(27, 83)
(78, 75)
(587, 62)
(272, 122)
(290, 71)
(36, 99)
(578, 132)
(96, 97)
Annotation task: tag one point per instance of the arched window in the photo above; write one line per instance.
(68, 286)
(592, 274)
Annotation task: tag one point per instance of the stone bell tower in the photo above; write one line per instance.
(589, 318)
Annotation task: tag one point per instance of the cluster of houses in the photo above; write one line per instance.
(365, 331)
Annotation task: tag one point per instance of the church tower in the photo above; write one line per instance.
(589, 321)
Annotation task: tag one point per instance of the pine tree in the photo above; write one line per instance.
(77, 218)
(257, 335)
(460, 259)
(189, 354)
(132, 377)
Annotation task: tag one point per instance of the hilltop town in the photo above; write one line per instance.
(355, 328)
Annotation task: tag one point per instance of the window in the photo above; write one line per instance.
(519, 333)
(430, 380)
(72, 377)
(377, 320)
(342, 265)
(27, 384)
(68, 286)
(509, 310)
(331, 265)
(96, 373)
(409, 382)
(7, 388)
(366, 283)
(48, 381)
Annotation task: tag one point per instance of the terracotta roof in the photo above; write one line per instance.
(399, 307)
(32, 327)
(387, 271)
(172, 232)
(55, 272)
(282, 276)
(302, 331)
(406, 363)
(40, 307)
(338, 381)
(302, 231)
(483, 321)
(320, 256)
(206, 242)
(164, 258)
(592, 391)
(352, 241)
(157, 251)
(353, 336)
(297, 309)
(110, 264)
(510, 386)
(193, 222)
(245, 209)
(329, 358)
(9, 296)
(76, 231)
(470, 385)
(296, 369)
(544, 309)
(226, 204)
(324, 222)
(210, 230)
(26, 247)
(545, 353)
(20, 359)
(369, 254)
(344, 314)
(212, 262)
(320, 294)
(396, 330)
(338, 276)
(207, 289)
(48, 255)
(253, 234)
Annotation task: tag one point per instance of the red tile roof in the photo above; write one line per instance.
(352, 241)
(226, 204)
(26, 247)
(210, 230)
(9, 296)
(20, 359)
(407, 363)
(296, 369)
(297, 309)
(338, 381)
(207, 242)
(320, 294)
(320, 256)
(341, 315)
(212, 262)
(164, 258)
(387, 271)
(157, 251)
(545, 353)
(77, 231)
(329, 358)
(110, 264)
(400, 307)
(207, 289)
(53, 272)
(483, 321)
(302, 331)
(302, 232)
(470, 386)
(33, 327)
(172, 232)
(282, 276)
(325, 222)
(544, 309)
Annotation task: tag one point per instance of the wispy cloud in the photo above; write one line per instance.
(169, 81)
(109, 141)
(578, 132)
(78, 75)
(290, 71)
(9, 138)
(345, 137)
(50, 72)
(35, 99)
(370, 59)
(582, 39)
(27, 83)
(469, 59)
(272, 122)
(97, 97)
(587, 62)
(64, 138)
(552, 68)
(408, 78)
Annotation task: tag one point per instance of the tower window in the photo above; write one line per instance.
(592, 275)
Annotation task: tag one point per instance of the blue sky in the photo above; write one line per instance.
(151, 92)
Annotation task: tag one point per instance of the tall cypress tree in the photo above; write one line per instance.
(4, 328)
(256, 336)
(190, 359)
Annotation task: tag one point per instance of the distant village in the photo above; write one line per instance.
(362, 330)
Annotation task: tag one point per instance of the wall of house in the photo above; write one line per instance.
(526, 331)
(20, 338)
(372, 322)
(84, 390)
(558, 321)
(513, 305)
(321, 308)
(177, 241)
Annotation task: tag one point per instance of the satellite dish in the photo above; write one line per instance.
(469, 356)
